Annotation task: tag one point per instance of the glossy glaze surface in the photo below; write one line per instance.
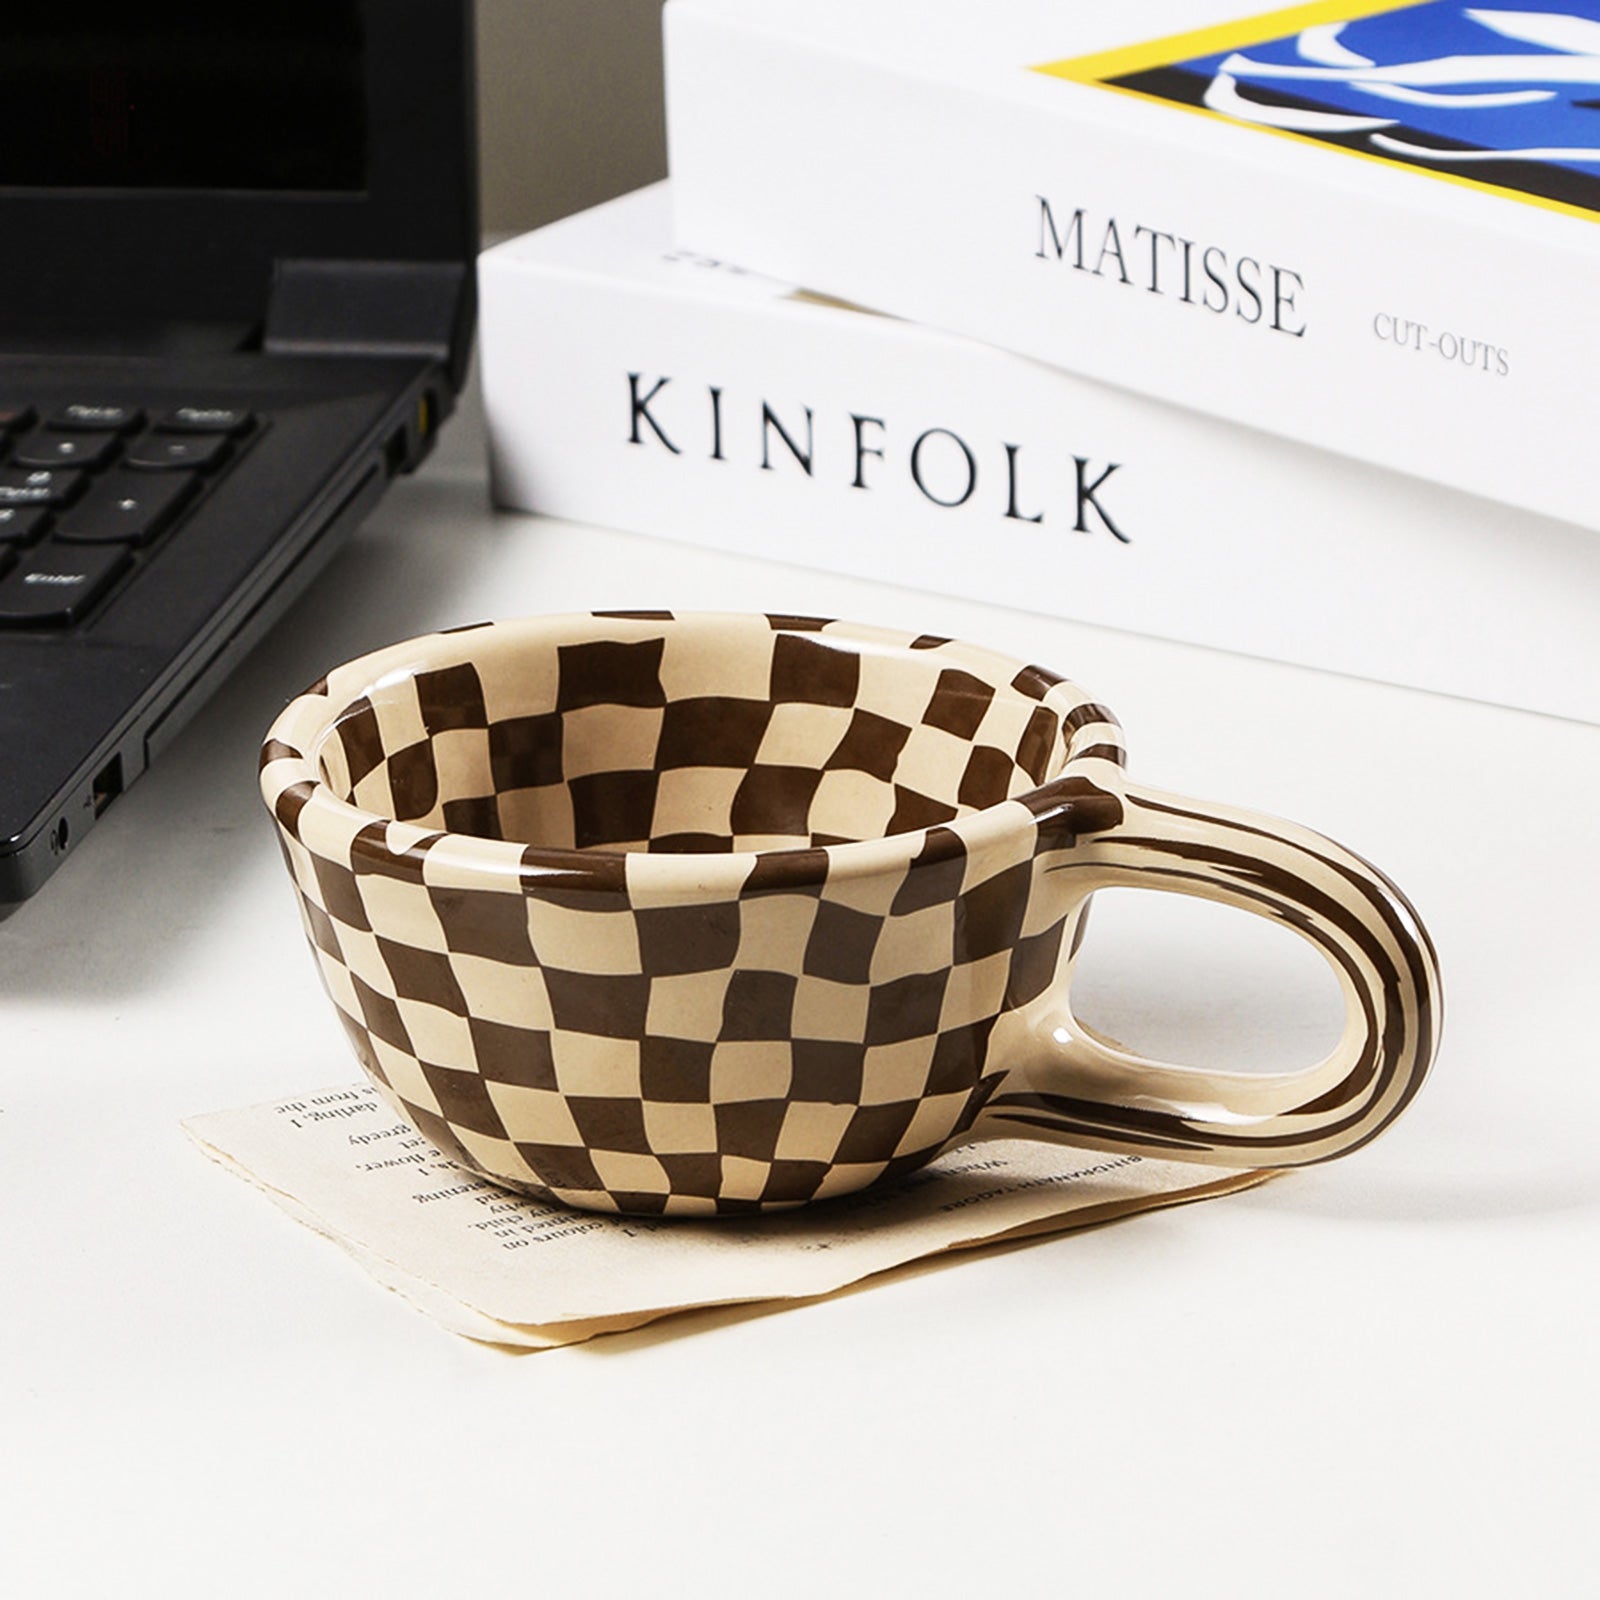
(712, 914)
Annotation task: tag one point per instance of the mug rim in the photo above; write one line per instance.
(308, 809)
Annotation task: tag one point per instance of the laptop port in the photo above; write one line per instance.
(394, 453)
(107, 784)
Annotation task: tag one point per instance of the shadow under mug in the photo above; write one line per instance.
(694, 913)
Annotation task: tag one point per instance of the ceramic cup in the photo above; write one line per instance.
(696, 914)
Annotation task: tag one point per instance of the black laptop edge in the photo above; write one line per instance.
(380, 275)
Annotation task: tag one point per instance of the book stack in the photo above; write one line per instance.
(1276, 332)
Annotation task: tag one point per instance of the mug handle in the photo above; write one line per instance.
(1078, 1089)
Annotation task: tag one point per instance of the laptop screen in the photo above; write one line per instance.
(160, 158)
(184, 95)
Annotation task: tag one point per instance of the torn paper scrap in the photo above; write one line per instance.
(506, 1268)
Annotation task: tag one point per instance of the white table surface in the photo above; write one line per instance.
(1374, 1377)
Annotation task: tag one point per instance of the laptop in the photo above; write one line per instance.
(236, 299)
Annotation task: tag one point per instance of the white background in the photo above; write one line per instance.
(1375, 1377)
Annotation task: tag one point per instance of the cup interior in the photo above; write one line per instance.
(699, 733)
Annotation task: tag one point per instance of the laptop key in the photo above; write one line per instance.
(22, 524)
(157, 453)
(113, 419)
(127, 508)
(44, 448)
(55, 585)
(203, 419)
(14, 416)
(39, 486)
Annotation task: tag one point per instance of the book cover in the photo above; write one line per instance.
(1370, 227)
(634, 385)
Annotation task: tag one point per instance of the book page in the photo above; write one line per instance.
(508, 1269)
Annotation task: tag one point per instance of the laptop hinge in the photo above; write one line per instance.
(370, 308)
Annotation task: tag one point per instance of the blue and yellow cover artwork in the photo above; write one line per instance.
(1504, 97)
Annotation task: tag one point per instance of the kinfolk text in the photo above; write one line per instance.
(944, 467)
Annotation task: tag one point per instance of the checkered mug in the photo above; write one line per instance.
(696, 914)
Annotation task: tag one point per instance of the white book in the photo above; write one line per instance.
(633, 386)
(1370, 227)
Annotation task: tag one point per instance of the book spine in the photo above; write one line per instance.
(1379, 314)
(808, 433)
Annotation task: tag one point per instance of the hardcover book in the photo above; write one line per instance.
(1370, 227)
(634, 385)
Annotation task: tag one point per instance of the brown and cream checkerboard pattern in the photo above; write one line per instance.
(690, 914)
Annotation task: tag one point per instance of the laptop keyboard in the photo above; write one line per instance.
(86, 489)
